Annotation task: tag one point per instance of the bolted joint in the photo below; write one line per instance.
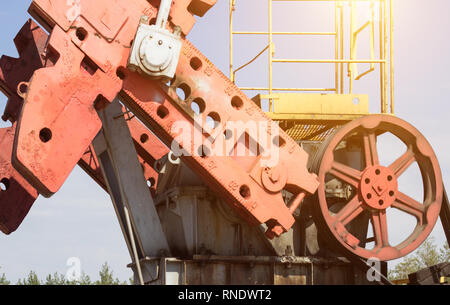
(274, 179)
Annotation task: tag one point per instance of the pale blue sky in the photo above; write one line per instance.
(80, 221)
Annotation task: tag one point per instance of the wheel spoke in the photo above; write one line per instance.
(403, 163)
(380, 229)
(345, 173)
(408, 205)
(350, 211)
(370, 149)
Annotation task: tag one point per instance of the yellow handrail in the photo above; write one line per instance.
(385, 45)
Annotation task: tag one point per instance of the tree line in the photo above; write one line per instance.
(106, 277)
(428, 254)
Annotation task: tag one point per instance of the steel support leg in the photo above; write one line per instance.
(129, 192)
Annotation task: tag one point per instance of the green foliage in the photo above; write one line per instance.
(106, 278)
(56, 279)
(445, 253)
(59, 279)
(84, 280)
(31, 279)
(427, 255)
(3, 280)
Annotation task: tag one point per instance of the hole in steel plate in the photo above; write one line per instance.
(45, 135)
(144, 138)
(204, 151)
(196, 63)
(162, 112)
(228, 134)
(151, 182)
(81, 33)
(244, 191)
(198, 105)
(213, 120)
(4, 184)
(237, 102)
(23, 88)
(120, 72)
(183, 92)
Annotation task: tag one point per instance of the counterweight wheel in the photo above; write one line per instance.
(373, 188)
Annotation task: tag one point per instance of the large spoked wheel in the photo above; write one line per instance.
(374, 189)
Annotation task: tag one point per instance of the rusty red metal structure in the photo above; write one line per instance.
(18, 195)
(65, 78)
(89, 72)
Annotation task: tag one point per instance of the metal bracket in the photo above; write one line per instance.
(156, 51)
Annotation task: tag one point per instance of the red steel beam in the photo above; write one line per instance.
(17, 195)
(90, 54)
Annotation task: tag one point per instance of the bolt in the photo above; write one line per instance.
(160, 42)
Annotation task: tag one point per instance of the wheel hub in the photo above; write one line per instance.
(378, 187)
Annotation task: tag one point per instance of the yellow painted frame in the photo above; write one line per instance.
(385, 60)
